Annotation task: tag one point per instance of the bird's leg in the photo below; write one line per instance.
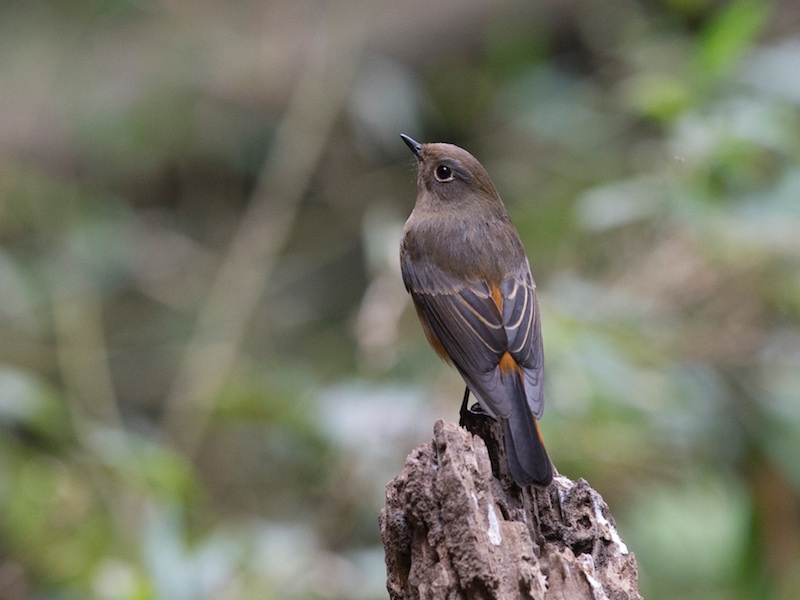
(462, 414)
(476, 410)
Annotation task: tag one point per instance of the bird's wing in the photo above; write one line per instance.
(523, 328)
(477, 325)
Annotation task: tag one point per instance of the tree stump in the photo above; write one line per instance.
(451, 529)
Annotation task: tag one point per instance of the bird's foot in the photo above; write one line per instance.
(468, 413)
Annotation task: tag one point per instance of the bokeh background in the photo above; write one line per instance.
(209, 368)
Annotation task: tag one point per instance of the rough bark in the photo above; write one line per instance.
(451, 529)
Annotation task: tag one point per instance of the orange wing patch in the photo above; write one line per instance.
(497, 296)
(508, 364)
(433, 340)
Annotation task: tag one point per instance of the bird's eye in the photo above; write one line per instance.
(443, 173)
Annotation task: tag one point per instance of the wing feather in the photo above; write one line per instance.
(475, 334)
(522, 325)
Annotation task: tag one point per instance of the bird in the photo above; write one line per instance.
(464, 265)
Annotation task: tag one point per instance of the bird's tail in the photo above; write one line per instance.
(527, 457)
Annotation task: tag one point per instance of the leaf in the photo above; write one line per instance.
(730, 35)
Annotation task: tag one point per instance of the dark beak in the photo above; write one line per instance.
(415, 146)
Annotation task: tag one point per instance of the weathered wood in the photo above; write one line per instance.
(451, 529)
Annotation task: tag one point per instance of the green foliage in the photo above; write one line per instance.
(209, 367)
(729, 35)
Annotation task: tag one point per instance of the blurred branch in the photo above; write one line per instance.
(76, 308)
(82, 353)
(264, 228)
(80, 349)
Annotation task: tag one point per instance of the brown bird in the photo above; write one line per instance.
(465, 268)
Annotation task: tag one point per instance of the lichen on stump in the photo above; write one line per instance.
(451, 529)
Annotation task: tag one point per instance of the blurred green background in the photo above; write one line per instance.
(209, 368)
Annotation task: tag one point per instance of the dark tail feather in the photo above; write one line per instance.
(527, 457)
